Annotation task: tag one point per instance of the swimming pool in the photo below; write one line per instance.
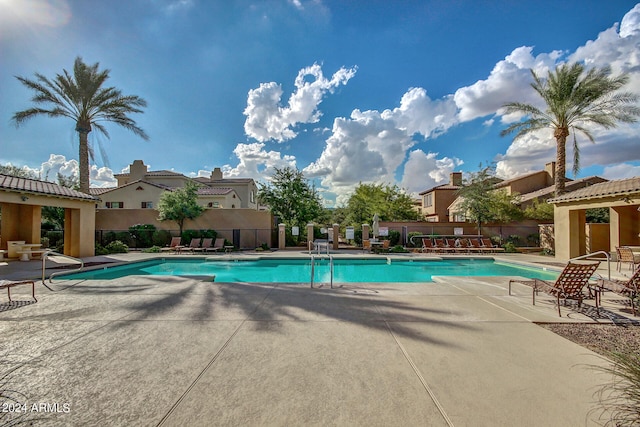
(299, 270)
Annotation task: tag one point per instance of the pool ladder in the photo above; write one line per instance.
(313, 265)
(55, 273)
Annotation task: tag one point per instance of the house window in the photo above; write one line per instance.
(252, 197)
(213, 204)
(114, 205)
(147, 205)
(457, 217)
(428, 200)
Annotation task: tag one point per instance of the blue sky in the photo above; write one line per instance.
(401, 92)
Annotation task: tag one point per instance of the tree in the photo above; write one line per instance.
(291, 198)
(481, 203)
(179, 205)
(539, 210)
(389, 202)
(574, 100)
(55, 215)
(82, 98)
(16, 171)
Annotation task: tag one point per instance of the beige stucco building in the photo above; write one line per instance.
(21, 202)
(141, 189)
(622, 197)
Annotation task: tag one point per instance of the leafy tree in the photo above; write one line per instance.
(16, 171)
(481, 203)
(389, 202)
(55, 215)
(292, 199)
(574, 100)
(179, 205)
(82, 98)
(597, 215)
(539, 210)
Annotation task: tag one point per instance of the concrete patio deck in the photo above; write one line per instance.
(177, 351)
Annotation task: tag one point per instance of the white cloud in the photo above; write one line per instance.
(257, 163)
(621, 51)
(509, 81)
(371, 146)
(621, 171)
(18, 13)
(268, 120)
(424, 170)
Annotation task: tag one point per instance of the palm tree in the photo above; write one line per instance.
(82, 98)
(574, 100)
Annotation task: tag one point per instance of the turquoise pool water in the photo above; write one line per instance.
(299, 270)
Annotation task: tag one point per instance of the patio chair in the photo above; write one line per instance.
(569, 284)
(173, 246)
(8, 284)
(626, 255)
(487, 243)
(207, 242)
(218, 245)
(627, 288)
(443, 246)
(195, 243)
(366, 246)
(427, 246)
(477, 247)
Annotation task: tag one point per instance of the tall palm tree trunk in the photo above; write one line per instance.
(561, 135)
(84, 161)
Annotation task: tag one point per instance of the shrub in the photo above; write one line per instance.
(398, 249)
(161, 238)
(187, 235)
(620, 399)
(394, 237)
(152, 250)
(124, 237)
(142, 234)
(117, 247)
(55, 238)
(418, 243)
(510, 247)
(265, 247)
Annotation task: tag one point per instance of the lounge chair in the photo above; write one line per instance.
(628, 288)
(443, 246)
(427, 245)
(195, 244)
(207, 243)
(173, 246)
(569, 284)
(477, 247)
(487, 243)
(10, 284)
(217, 245)
(625, 254)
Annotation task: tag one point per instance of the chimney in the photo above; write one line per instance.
(216, 175)
(455, 178)
(550, 169)
(137, 170)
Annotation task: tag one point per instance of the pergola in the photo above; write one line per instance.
(621, 197)
(21, 202)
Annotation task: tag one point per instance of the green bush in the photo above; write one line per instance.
(510, 247)
(142, 235)
(620, 398)
(394, 237)
(55, 238)
(152, 250)
(117, 247)
(398, 249)
(161, 238)
(124, 237)
(418, 242)
(101, 250)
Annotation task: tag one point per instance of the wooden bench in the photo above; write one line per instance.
(28, 255)
(10, 284)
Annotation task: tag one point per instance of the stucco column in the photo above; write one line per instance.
(310, 237)
(281, 236)
(336, 233)
(365, 232)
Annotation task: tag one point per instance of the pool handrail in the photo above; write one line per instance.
(56, 273)
(313, 262)
(588, 256)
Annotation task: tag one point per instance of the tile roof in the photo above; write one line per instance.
(570, 185)
(441, 187)
(210, 191)
(96, 191)
(155, 173)
(34, 186)
(621, 187)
